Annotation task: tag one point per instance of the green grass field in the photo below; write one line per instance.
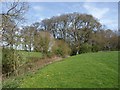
(26, 55)
(91, 70)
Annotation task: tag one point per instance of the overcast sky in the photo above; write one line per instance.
(105, 12)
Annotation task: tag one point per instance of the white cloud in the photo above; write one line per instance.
(112, 24)
(103, 14)
(95, 11)
(58, 14)
(109, 21)
(38, 8)
(40, 19)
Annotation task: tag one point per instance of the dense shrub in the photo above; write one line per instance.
(49, 54)
(95, 48)
(42, 40)
(85, 48)
(10, 61)
(61, 48)
(73, 50)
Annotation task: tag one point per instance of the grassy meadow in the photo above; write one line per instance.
(28, 55)
(90, 70)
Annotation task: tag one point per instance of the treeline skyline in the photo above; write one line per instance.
(78, 30)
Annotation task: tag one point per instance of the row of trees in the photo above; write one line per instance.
(79, 29)
(81, 32)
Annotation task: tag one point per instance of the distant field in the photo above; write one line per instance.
(30, 54)
(26, 55)
(91, 70)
